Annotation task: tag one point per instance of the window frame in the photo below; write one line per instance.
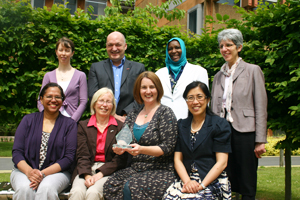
(199, 22)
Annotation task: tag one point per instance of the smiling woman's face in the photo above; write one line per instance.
(174, 50)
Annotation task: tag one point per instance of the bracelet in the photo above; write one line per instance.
(203, 186)
(43, 174)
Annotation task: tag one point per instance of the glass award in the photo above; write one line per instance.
(124, 138)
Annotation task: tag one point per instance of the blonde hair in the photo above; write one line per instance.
(98, 94)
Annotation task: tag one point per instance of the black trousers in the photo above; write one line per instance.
(242, 164)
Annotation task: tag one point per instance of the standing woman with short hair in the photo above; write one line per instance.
(239, 95)
(72, 81)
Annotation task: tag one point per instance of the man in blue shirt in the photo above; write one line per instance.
(116, 73)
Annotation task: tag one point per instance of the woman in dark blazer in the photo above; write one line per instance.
(201, 151)
(239, 95)
(95, 159)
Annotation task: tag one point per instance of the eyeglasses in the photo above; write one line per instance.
(102, 102)
(192, 98)
(57, 98)
(227, 46)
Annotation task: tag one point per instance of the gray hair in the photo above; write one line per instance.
(231, 34)
(98, 94)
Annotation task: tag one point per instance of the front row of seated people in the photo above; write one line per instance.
(197, 148)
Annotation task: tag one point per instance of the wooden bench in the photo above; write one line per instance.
(6, 192)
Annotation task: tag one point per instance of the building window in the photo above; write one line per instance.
(195, 19)
(72, 5)
(98, 5)
(38, 3)
(230, 2)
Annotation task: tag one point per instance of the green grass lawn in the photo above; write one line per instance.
(4, 177)
(5, 149)
(270, 184)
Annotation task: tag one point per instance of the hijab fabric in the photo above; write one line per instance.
(175, 67)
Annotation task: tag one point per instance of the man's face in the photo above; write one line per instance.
(115, 47)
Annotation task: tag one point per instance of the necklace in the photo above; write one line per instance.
(61, 74)
(199, 127)
(149, 112)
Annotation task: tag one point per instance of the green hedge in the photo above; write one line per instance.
(27, 48)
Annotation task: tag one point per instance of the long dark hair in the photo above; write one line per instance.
(204, 88)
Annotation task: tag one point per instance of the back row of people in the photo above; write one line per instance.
(150, 160)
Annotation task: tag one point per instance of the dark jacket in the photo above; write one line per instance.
(213, 137)
(101, 75)
(86, 150)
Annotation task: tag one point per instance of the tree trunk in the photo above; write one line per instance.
(288, 169)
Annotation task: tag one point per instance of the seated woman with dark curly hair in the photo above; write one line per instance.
(44, 149)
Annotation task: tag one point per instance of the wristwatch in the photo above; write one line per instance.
(43, 174)
(203, 186)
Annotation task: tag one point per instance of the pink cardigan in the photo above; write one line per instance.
(76, 93)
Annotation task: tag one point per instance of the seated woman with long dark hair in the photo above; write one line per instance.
(202, 149)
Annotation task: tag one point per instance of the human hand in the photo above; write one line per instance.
(97, 176)
(259, 149)
(135, 150)
(34, 175)
(120, 118)
(34, 185)
(191, 187)
(118, 150)
(89, 181)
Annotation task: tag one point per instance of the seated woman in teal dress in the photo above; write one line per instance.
(154, 127)
(202, 149)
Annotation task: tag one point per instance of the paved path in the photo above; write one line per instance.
(7, 164)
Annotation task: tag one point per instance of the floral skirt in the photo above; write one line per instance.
(219, 189)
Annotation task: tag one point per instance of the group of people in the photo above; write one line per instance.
(181, 148)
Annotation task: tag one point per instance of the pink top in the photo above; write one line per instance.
(101, 137)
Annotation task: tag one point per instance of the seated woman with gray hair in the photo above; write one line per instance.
(239, 96)
(95, 158)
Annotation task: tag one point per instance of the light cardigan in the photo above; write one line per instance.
(76, 93)
(176, 101)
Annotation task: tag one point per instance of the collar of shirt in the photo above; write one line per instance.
(121, 65)
(93, 121)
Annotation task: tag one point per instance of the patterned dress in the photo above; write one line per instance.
(148, 177)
